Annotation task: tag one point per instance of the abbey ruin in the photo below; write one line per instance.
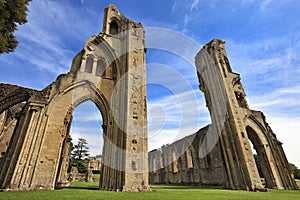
(34, 127)
(111, 72)
(220, 153)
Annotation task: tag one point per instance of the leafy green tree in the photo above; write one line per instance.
(79, 155)
(12, 12)
(295, 171)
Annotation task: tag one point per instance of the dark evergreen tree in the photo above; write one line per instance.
(12, 13)
(79, 155)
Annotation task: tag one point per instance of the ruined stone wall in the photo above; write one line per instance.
(75, 176)
(167, 166)
(109, 71)
(8, 122)
(94, 164)
(225, 157)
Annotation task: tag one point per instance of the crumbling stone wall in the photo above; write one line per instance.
(109, 71)
(229, 161)
(168, 165)
(75, 176)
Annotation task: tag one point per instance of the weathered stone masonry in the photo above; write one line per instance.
(109, 71)
(230, 163)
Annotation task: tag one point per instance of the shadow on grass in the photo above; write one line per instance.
(179, 187)
(77, 188)
(95, 186)
(81, 186)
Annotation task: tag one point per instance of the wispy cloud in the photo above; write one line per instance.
(195, 4)
(272, 60)
(178, 116)
(265, 3)
(42, 44)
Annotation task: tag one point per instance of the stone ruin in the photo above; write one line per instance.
(227, 161)
(75, 176)
(110, 71)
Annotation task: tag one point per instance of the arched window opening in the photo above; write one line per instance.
(228, 67)
(189, 159)
(89, 64)
(101, 65)
(174, 163)
(82, 148)
(114, 28)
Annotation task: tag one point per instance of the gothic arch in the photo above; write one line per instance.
(59, 113)
(101, 103)
(262, 143)
(102, 50)
(13, 98)
(42, 131)
(114, 26)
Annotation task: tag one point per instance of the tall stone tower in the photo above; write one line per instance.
(110, 71)
(239, 125)
(127, 39)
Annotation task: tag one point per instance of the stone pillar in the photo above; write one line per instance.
(26, 149)
(65, 157)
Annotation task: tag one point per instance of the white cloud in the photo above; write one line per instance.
(269, 73)
(265, 3)
(287, 131)
(43, 39)
(182, 115)
(195, 4)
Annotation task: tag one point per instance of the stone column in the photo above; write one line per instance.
(65, 158)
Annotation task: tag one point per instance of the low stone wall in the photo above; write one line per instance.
(75, 176)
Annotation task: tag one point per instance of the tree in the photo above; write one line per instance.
(295, 170)
(12, 12)
(79, 155)
(81, 150)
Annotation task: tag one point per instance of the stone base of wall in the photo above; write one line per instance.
(75, 176)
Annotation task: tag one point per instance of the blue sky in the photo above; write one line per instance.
(262, 41)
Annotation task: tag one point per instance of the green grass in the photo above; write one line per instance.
(89, 191)
(298, 182)
(96, 175)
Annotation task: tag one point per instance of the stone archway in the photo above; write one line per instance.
(110, 71)
(62, 172)
(264, 158)
(271, 157)
(59, 121)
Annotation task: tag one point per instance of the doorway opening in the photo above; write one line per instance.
(80, 164)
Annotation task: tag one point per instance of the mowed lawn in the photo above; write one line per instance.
(160, 192)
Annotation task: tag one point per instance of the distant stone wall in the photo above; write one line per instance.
(75, 176)
(229, 161)
(178, 163)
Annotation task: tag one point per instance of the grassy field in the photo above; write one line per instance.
(161, 192)
(298, 182)
(96, 175)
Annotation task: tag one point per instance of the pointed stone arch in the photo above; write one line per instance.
(40, 138)
(269, 151)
